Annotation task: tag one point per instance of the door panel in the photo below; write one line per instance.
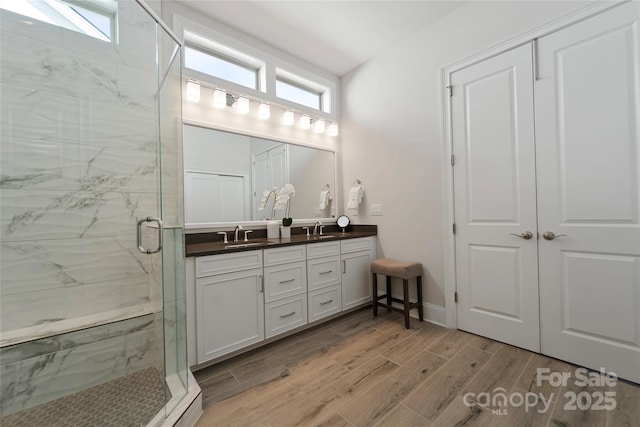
(213, 198)
(587, 128)
(495, 291)
(494, 176)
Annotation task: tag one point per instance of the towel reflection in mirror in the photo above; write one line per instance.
(282, 199)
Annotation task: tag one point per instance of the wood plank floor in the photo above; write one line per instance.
(363, 371)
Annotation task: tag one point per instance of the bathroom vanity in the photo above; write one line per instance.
(244, 294)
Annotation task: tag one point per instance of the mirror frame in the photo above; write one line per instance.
(258, 224)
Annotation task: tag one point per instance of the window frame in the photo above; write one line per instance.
(225, 58)
(96, 7)
(274, 63)
(301, 87)
(62, 14)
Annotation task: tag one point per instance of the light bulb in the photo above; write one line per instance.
(264, 111)
(193, 91)
(219, 98)
(242, 105)
(305, 122)
(319, 126)
(332, 130)
(288, 117)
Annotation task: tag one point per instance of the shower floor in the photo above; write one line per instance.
(132, 400)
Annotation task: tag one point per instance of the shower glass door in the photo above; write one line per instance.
(91, 329)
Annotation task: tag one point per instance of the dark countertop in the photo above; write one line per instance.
(195, 246)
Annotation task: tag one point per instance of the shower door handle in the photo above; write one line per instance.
(139, 235)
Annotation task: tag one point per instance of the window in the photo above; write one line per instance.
(298, 94)
(223, 59)
(220, 67)
(95, 18)
(303, 91)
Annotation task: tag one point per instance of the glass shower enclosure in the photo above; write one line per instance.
(92, 295)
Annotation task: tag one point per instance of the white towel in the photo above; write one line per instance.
(355, 197)
(325, 197)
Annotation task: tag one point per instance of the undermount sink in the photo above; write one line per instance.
(241, 245)
(324, 236)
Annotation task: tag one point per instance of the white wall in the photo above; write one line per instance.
(391, 126)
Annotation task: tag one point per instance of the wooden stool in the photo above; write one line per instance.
(405, 271)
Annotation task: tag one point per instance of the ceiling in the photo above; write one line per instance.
(334, 35)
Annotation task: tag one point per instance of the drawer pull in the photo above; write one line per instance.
(287, 281)
(282, 316)
(326, 302)
(326, 272)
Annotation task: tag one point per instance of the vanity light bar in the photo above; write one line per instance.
(242, 105)
(305, 122)
(220, 98)
(193, 91)
(288, 117)
(264, 111)
(319, 126)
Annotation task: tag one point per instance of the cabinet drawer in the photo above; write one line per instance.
(355, 245)
(317, 250)
(285, 314)
(227, 263)
(324, 302)
(285, 254)
(285, 280)
(323, 272)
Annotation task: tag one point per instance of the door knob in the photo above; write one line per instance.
(550, 235)
(526, 235)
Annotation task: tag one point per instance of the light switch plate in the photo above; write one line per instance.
(376, 209)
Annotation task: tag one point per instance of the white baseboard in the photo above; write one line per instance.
(434, 314)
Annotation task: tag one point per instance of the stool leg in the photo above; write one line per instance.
(420, 308)
(389, 292)
(374, 294)
(405, 294)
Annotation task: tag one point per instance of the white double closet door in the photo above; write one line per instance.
(550, 147)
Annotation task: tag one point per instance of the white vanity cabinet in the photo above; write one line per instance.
(285, 276)
(236, 300)
(229, 303)
(324, 279)
(356, 257)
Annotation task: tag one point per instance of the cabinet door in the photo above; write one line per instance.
(356, 280)
(230, 312)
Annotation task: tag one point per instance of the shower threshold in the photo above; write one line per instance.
(132, 400)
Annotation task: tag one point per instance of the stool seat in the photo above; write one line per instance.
(391, 267)
(405, 271)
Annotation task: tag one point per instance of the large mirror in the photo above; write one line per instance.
(230, 177)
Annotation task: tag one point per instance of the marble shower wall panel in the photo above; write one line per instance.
(50, 368)
(78, 167)
(33, 114)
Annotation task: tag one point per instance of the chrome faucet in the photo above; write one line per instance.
(235, 233)
(315, 228)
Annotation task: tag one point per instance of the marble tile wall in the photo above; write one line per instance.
(49, 368)
(78, 167)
